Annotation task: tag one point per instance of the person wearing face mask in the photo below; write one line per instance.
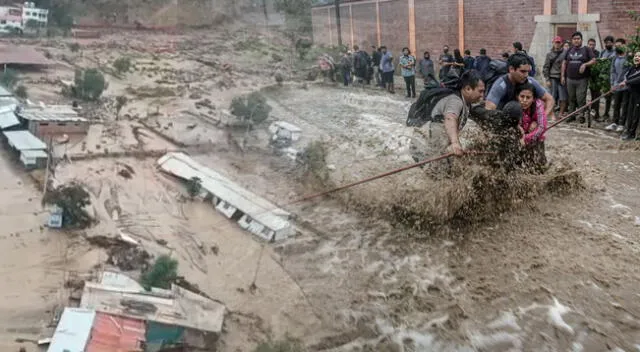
(427, 70)
(632, 83)
(609, 52)
(446, 61)
(620, 95)
(408, 70)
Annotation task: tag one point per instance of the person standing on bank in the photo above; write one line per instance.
(620, 95)
(609, 52)
(386, 65)
(376, 56)
(551, 72)
(427, 70)
(632, 83)
(408, 69)
(595, 91)
(445, 62)
(575, 73)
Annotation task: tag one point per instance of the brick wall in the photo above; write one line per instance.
(496, 30)
(613, 16)
(394, 25)
(436, 26)
(493, 27)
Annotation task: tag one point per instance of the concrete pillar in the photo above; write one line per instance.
(412, 26)
(461, 25)
(351, 26)
(563, 7)
(378, 31)
(547, 7)
(582, 7)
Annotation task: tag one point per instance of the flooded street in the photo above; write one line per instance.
(558, 271)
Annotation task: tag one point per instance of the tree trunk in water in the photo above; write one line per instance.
(337, 4)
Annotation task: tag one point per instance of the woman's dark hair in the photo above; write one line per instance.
(530, 87)
(456, 54)
(407, 49)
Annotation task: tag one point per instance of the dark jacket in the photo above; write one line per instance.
(633, 81)
(553, 64)
(375, 58)
(482, 63)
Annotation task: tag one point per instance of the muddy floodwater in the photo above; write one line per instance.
(556, 273)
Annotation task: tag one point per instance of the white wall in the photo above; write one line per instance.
(34, 13)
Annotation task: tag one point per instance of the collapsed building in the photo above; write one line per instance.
(252, 212)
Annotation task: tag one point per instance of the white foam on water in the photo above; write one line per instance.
(490, 342)
(556, 311)
(505, 320)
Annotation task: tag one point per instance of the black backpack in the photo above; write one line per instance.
(495, 70)
(420, 111)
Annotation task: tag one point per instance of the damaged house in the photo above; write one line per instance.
(252, 212)
(117, 314)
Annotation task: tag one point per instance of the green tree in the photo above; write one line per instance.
(122, 65)
(161, 274)
(74, 47)
(89, 84)
(253, 108)
(72, 199)
(9, 78)
(21, 92)
(633, 44)
(32, 24)
(194, 185)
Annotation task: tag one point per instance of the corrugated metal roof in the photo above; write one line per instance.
(258, 208)
(34, 154)
(7, 118)
(50, 115)
(116, 334)
(24, 140)
(177, 306)
(73, 330)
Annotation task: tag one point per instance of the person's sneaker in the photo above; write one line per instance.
(605, 117)
(611, 127)
(582, 119)
(626, 137)
(619, 128)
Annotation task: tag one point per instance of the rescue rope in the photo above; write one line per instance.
(580, 109)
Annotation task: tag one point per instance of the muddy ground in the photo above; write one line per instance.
(558, 272)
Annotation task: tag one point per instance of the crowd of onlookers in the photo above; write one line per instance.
(571, 72)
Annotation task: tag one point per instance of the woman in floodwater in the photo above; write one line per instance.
(532, 126)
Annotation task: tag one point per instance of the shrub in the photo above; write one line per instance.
(194, 185)
(122, 65)
(89, 84)
(75, 47)
(287, 345)
(21, 92)
(72, 199)
(162, 273)
(253, 108)
(121, 101)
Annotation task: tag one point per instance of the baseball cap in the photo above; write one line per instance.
(557, 39)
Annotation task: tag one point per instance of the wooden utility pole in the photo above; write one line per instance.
(337, 5)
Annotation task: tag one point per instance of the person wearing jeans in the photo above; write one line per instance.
(575, 73)
(408, 66)
(551, 72)
(621, 95)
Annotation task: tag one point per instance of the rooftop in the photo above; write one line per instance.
(73, 330)
(176, 307)
(7, 115)
(116, 334)
(21, 55)
(258, 208)
(57, 113)
(24, 140)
